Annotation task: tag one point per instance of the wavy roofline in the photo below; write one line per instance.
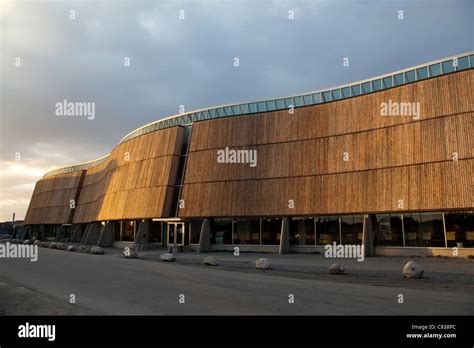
(193, 116)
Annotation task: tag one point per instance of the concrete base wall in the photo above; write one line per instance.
(419, 251)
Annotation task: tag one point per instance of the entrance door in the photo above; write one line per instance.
(175, 233)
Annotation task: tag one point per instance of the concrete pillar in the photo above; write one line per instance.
(92, 233)
(87, 228)
(369, 235)
(77, 231)
(205, 237)
(61, 234)
(285, 236)
(143, 232)
(106, 238)
(42, 232)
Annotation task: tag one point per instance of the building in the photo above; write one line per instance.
(387, 162)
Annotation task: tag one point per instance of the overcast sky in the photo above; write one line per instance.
(187, 62)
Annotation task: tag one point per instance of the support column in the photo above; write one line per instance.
(77, 233)
(42, 232)
(205, 237)
(61, 234)
(143, 232)
(106, 238)
(368, 235)
(285, 236)
(93, 235)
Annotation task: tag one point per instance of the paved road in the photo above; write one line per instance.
(109, 284)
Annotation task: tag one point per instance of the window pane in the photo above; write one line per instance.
(463, 63)
(308, 100)
(221, 231)
(302, 231)
(346, 92)
(422, 73)
(472, 60)
(376, 85)
(410, 76)
(412, 225)
(435, 70)
(327, 228)
(289, 102)
(155, 232)
(247, 231)
(326, 97)
(389, 230)
(127, 233)
(355, 90)
(271, 105)
(366, 87)
(398, 80)
(228, 111)
(236, 109)
(317, 98)
(271, 231)
(220, 112)
(213, 113)
(245, 108)
(448, 66)
(387, 82)
(432, 230)
(195, 231)
(262, 107)
(336, 94)
(351, 229)
(253, 107)
(298, 101)
(460, 229)
(280, 104)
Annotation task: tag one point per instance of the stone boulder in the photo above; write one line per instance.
(71, 248)
(262, 263)
(412, 270)
(210, 261)
(83, 249)
(336, 268)
(129, 253)
(97, 250)
(169, 257)
(53, 245)
(37, 242)
(61, 246)
(44, 244)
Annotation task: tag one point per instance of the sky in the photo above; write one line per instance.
(49, 54)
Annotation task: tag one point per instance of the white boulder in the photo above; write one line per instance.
(336, 268)
(210, 261)
(167, 257)
(71, 248)
(262, 263)
(412, 270)
(61, 246)
(97, 250)
(53, 245)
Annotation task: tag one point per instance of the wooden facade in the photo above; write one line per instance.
(341, 157)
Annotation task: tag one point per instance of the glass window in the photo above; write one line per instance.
(262, 107)
(328, 230)
(463, 63)
(253, 107)
(459, 229)
(388, 230)
(271, 105)
(117, 226)
(410, 76)
(435, 70)
(336, 94)
(220, 112)
(448, 66)
(289, 102)
(317, 98)
(155, 232)
(298, 101)
(412, 226)
(366, 87)
(236, 109)
(326, 97)
(355, 90)
(432, 229)
(376, 85)
(228, 111)
(346, 92)
(280, 104)
(422, 73)
(351, 229)
(247, 231)
(195, 231)
(387, 82)
(472, 60)
(302, 231)
(245, 108)
(127, 232)
(398, 80)
(308, 100)
(271, 231)
(221, 231)
(213, 113)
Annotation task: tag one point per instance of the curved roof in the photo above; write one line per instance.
(435, 68)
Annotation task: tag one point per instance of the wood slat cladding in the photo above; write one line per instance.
(300, 156)
(135, 182)
(50, 202)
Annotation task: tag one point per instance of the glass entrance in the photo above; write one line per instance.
(175, 233)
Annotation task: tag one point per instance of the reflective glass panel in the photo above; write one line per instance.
(245, 108)
(302, 231)
(366, 87)
(355, 90)
(463, 63)
(228, 111)
(326, 97)
(435, 70)
(262, 107)
(387, 82)
(376, 85)
(236, 109)
(289, 102)
(253, 107)
(410, 76)
(327, 228)
(317, 98)
(448, 66)
(346, 92)
(336, 94)
(247, 231)
(280, 104)
(398, 80)
(271, 231)
(308, 100)
(422, 73)
(271, 105)
(221, 231)
(298, 101)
